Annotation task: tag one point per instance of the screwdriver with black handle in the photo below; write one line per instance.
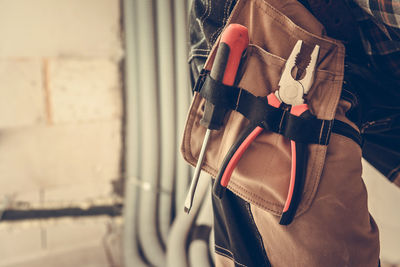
(234, 41)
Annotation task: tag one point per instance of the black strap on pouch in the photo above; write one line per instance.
(257, 110)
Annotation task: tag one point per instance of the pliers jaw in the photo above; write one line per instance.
(291, 91)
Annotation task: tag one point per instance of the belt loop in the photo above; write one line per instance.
(325, 132)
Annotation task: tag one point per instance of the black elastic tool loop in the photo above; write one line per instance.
(219, 94)
(258, 112)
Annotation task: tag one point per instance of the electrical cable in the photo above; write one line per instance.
(211, 246)
(183, 95)
(166, 89)
(183, 225)
(131, 248)
(147, 213)
(198, 252)
(148, 231)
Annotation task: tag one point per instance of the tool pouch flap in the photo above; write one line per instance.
(262, 175)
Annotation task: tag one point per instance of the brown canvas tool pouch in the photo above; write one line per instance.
(332, 226)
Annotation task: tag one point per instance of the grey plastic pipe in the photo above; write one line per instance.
(182, 225)
(131, 256)
(168, 121)
(199, 249)
(150, 151)
(182, 95)
(211, 246)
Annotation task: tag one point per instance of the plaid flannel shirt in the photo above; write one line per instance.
(379, 22)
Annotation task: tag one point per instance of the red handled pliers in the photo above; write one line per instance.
(290, 96)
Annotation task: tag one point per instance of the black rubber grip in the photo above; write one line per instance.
(214, 115)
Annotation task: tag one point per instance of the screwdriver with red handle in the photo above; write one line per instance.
(234, 41)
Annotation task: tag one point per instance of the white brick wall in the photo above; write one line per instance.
(60, 123)
(21, 93)
(47, 157)
(54, 28)
(63, 242)
(60, 96)
(84, 90)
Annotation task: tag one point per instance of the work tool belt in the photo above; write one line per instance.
(331, 226)
(258, 112)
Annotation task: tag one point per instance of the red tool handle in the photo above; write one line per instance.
(236, 37)
(234, 40)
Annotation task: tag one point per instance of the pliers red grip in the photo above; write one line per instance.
(299, 155)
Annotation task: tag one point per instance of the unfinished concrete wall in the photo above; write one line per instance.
(60, 119)
(383, 203)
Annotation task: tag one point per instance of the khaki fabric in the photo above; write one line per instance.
(262, 175)
(332, 226)
(337, 230)
(224, 261)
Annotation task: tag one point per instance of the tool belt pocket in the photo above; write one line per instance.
(262, 176)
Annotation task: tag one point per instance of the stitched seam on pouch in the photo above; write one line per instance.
(258, 234)
(235, 14)
(332, 106)
(207, 13)
(393, 172)
(316, 169)
(224, 249)
(262, 52)
(196, 55)
(254, 201)
(199, 49)
(352, 101)
(281, 21)
(198, 52)
(230, 256)
(205, 16)
(215, 35)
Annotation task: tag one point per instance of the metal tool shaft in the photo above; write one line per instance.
(196, 175)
